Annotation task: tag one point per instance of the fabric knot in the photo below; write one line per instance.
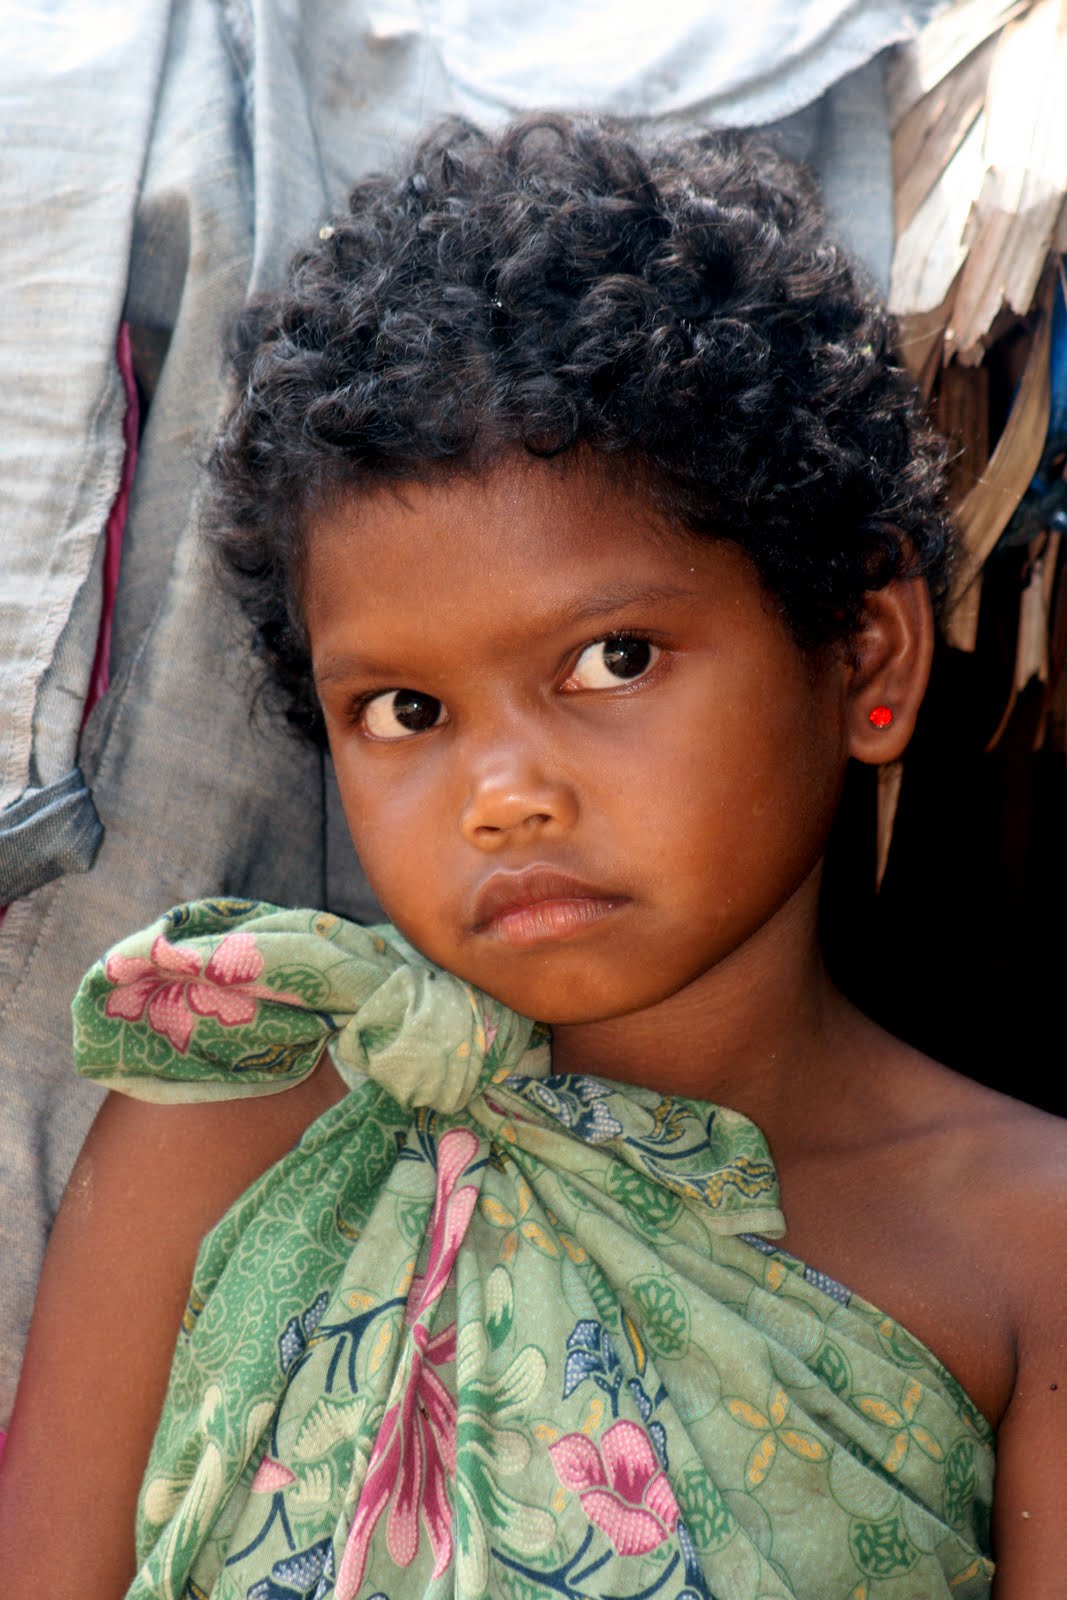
(221, 999)
(431, 1040)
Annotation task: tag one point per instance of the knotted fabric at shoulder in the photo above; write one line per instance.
(221, 999)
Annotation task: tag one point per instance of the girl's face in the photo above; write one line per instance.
(582, 759)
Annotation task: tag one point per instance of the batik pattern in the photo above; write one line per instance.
(487, 1331)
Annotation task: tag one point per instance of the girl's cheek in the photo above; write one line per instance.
(391, 829)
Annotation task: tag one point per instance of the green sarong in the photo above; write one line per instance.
(490, 1331)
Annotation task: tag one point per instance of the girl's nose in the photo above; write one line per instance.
(510, 798)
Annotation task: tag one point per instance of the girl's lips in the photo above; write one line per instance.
(527, 907)
(549, 919)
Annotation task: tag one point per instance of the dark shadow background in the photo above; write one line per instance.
(963, 953)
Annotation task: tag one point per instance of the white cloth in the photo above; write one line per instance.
(733, 65)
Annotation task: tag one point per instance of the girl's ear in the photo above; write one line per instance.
(890, 660)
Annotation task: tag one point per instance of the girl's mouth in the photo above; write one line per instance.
(540, 904)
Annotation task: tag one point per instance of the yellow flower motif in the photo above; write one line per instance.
(515, 1226)
(347, 1230)
(749, 1177)
(571, 1246)
(594, 1417)
(762, 1456)
(637, 1344)
(192, 1311)
(981, 1566)
(573, 1249)
(748, 1414)
(381, 1345)
(901, 1423)
(668, 1122)
(775, 1275)
(772, 1426)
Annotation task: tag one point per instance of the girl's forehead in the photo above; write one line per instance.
(524, 562)
(544, 525)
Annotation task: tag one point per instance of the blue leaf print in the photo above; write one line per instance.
(307, 1575)
(591, 1354)
(293, 1339)
(577, 1102)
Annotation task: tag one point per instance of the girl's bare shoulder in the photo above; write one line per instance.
(949, 1211)
(992, 1175)
(994, 1165)
(1012, 1217)
(1011, 1156)
(1014, 1159)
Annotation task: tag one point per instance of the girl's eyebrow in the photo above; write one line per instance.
(337, 667)
(618, 598)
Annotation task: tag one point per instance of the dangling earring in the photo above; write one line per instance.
(880, 716)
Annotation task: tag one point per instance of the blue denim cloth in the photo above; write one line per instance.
(54, 830)
(161, 161)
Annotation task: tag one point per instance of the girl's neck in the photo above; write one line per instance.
(764, 1032)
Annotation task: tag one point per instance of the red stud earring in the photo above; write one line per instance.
(880, 716)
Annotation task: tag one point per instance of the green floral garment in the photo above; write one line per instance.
(490, 1331)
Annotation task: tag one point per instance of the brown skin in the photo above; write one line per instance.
(692, 803)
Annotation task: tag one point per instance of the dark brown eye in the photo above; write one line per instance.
(627, 658)
(617, 659)
(401, 712)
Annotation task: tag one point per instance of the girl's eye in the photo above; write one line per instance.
(619, 658)
(400, 713)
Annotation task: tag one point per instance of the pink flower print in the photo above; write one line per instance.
(413, 1459)
(176, 992)
(428, 1433)
(451, 1213)
(622, 1487)
(414, 1454)
(271, 1477)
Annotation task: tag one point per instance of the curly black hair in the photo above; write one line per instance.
(562, 286)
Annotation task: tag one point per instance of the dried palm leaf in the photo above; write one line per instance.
(1032, 638)
(890, 778)
(929, 135)
(987, 509)
(930, 251)
(962, 415)
(1024, 151)
(946, 41)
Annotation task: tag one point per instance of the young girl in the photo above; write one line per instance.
(579, 503)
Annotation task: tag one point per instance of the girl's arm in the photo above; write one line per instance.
(149, 1183)
(1030, 1494)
